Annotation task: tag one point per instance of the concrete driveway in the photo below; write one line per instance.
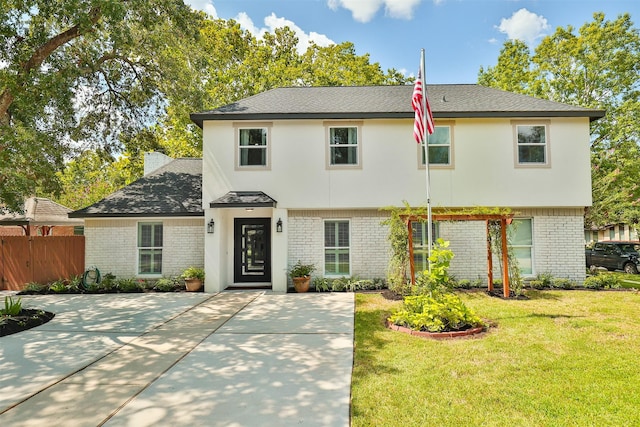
(237, 358)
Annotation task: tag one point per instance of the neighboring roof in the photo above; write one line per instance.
(175, 189)
(39, 211)
(244, 199)
(359, 102)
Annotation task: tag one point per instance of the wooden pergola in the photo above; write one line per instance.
(504, 220)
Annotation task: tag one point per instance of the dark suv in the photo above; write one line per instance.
(614, 255)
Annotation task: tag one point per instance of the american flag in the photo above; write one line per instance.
(420, 118)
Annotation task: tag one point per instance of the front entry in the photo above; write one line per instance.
(252, 250)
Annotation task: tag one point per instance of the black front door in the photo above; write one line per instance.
(252, 250)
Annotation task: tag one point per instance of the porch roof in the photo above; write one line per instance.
(244, 199)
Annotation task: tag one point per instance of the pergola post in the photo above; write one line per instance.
(505, 257)
(489, 259)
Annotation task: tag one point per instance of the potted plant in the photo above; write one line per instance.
(193, 278)
(301, 276)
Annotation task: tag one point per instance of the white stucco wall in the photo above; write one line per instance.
(483, 174)
(111, 245)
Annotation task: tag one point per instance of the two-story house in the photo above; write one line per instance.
(302, 174)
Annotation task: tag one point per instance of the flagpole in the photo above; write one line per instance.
(426, 158)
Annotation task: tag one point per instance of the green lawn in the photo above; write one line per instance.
(561, 358)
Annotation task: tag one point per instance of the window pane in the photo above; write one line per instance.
(144, 235)
(329, 234)
(157, 235)
(253, 137)
(531, 154)
(531, 134)
(344, 155)
(343, 234)
(440, 135)
(523, 257)
(252, 156)
(343, 136)
(438, 155)
(521, 233)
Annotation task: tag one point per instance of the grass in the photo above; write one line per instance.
(560, 358)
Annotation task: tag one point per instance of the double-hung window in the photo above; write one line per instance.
(532, 144)
(521, 239)
(253, 147)
(150, 248)
(439, 143)
(336, 248)
(420, 239)
(343, 144)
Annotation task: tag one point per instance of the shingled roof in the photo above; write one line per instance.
(361, 102)
(40, 211)
(175, 189)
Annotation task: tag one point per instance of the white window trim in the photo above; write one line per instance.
(324, 248)
(252, 125)
(547, 145)
(138, 248)
(531, 247)
(342, 124)
(451, 164)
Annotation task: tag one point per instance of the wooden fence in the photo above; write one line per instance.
(42, 259)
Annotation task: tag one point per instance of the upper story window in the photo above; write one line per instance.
(532, 144)
(343, 144)
(253, 146)
(439, 143)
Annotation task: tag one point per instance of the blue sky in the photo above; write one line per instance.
(459, 36)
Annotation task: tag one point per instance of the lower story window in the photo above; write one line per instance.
(521, 239)
(150, 248)
(336, 248)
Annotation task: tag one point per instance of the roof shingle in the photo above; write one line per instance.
(339, 102)
(172, 190)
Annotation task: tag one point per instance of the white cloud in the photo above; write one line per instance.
(272, 22)
(524, 25)
(365, 10)
(204, 5)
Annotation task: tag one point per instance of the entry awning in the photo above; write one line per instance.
(244, 199)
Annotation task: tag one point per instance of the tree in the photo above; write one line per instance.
(77, 72)
(599, 67)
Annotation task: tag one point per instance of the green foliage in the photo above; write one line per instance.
(35, 287)
(437, 312)
(128, 285)
(11, 307)
(167, 285)
(301, 270)
(58, 287)
(193, 273)
(602, 281)
(467, 284)
(596, 67)
(347, 284)
(93, 65)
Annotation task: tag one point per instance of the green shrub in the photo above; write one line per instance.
(11, 307)
(562, 283)
(438, 312)
(602, 281)
(58, 287)
(167, 284)
(35, 287)
(108, 283)
(536, 284)
(128, 285)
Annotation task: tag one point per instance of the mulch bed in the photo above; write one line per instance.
(27, 319)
